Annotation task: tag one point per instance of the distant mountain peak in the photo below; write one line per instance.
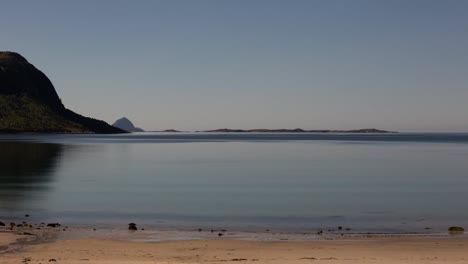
(127, 125)
(124, 119)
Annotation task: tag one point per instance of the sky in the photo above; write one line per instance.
(204, 64)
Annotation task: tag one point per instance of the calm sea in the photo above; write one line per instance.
(283, 182)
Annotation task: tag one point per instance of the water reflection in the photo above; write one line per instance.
(25, 170)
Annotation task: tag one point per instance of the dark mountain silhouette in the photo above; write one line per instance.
(29, 102)
(125, 124)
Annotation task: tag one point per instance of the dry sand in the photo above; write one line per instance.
(46, 248)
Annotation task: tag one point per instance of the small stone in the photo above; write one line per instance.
(26, 215)
(52, 260)
(340, 228)
(199, 230)
(2, 224)
(132, 226)
(220, 234)
(53, 225)
(456, 229)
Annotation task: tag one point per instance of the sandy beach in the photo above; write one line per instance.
(88, 246)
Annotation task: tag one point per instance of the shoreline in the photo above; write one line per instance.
(27, 223)
(48, 231)
(84, 245)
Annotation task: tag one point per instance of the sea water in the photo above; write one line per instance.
(297, 182)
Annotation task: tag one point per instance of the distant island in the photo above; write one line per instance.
(296, 130)
(30, 104)
(169, 131)
(125, 124)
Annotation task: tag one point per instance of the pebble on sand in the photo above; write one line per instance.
(132, 226)
(456, 229)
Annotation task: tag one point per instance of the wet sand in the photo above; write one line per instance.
(54, 245)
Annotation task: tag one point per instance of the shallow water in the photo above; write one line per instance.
(283, 182)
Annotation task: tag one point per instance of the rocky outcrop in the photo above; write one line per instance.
(125, 124)
(30, 104)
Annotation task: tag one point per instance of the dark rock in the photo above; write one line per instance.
(340, 228)
(199, 229)
(2, 224)
(52, 260)
(53, 225)
(220, 234)
(132, 226)
(456, 229)
(26, 215)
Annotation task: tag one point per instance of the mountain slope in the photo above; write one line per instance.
(29, 102)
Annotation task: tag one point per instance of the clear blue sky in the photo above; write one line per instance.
(399, 65)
